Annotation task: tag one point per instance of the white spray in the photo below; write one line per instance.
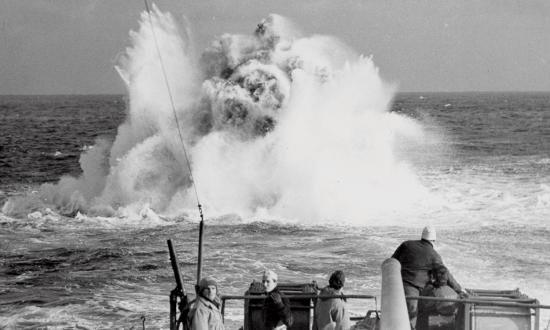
(277, 126)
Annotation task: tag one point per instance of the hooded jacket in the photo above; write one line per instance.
(331, 313)
(206, 316)
(417, 258)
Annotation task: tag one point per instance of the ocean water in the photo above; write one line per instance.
(304, 160)
(106, 272)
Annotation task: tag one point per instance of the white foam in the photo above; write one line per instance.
(299, 129)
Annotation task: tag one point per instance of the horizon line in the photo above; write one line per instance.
(399, 92)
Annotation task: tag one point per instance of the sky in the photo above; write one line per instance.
(71, 46)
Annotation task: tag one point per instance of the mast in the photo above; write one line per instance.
(169, 90)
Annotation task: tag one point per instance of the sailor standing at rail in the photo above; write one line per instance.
(418, 258)
(332, 313)
(276, 309)
(205, 314)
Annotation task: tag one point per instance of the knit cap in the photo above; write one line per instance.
(206, 282)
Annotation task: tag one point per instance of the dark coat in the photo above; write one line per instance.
(276, 308)
(417, 258)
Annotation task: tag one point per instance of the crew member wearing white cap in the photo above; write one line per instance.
(418, 258)
(276, 310)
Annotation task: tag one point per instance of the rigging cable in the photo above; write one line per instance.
(201, 226)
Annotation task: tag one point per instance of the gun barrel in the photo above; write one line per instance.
(175, 266)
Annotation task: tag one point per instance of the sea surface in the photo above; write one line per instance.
(490, 165)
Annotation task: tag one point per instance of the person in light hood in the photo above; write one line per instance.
(331, 312)
(205, 314)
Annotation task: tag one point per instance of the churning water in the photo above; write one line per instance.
(305, 160)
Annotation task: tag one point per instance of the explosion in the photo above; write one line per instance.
(274, 124)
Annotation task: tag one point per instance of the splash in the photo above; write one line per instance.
(276, 125)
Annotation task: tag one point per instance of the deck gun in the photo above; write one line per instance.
(177, 294)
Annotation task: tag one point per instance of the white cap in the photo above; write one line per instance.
(428, 233)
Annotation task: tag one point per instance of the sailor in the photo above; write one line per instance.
(417, 258)
(331, 313)
(439, 288)
(205, 315)
(276, 308)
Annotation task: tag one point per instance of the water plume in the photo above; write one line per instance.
(276, 125)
